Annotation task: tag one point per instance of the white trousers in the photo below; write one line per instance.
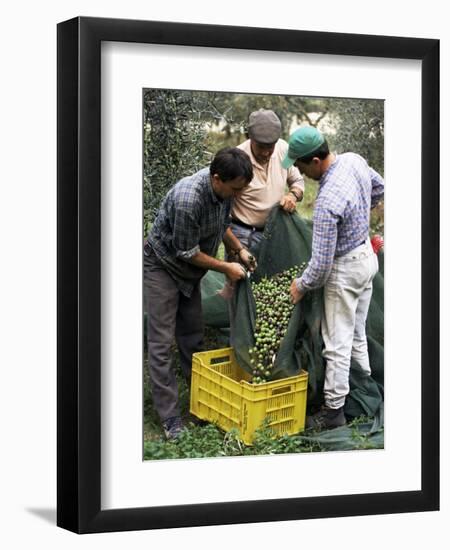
(347, 295)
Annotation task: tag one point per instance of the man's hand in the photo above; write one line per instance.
(288, 203)
(234, 271)
(248, 259)
(296, 294)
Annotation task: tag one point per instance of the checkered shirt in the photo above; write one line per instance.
(191, 219)
(347, 192)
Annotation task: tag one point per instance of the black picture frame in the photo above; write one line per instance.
(79, 275)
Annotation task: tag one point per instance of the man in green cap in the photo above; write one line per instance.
(342, 261)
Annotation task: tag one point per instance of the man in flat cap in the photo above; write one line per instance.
(342, 261)
(252, 205)
(266, 150)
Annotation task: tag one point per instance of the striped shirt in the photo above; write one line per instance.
(347, 192)
(191, 219)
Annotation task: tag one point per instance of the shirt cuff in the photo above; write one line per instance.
(187, 254)
(298, 185)
(300, 287)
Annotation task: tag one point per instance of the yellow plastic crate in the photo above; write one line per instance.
(221, 393)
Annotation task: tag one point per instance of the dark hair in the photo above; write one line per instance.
(322, 152)
(231, 163)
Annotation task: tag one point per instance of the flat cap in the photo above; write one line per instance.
(264, 126)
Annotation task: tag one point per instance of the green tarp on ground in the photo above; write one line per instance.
(286, 243)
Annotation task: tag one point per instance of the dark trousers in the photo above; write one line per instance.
(170, 316)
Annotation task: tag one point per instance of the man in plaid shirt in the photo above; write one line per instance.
(342, 261)
(192, 221)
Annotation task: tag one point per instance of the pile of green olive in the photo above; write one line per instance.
(273, 311)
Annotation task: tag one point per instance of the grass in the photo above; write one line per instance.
(209, 441)
(305, 208)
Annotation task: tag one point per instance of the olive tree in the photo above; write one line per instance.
(174, 136)
(359, 127)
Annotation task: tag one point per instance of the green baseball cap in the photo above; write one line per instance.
(302, 142)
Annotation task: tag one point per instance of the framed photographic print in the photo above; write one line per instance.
(143, 105)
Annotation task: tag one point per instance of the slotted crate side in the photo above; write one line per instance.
(215, 396)
(286, 412)
(277, 388)
(218, 404)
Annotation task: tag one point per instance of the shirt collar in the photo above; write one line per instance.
(330, 168)
(214, 198)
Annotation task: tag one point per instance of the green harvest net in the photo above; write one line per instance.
(286, 243)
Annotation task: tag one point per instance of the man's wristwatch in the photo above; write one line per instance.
(297, 198)
(236, 251)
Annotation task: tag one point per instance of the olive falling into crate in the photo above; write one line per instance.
(273, 311)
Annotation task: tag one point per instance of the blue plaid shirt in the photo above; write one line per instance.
(347, 192)
(191, 218)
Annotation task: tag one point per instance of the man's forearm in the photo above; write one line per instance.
(232, 270)
(230, 241)
(200, 259)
